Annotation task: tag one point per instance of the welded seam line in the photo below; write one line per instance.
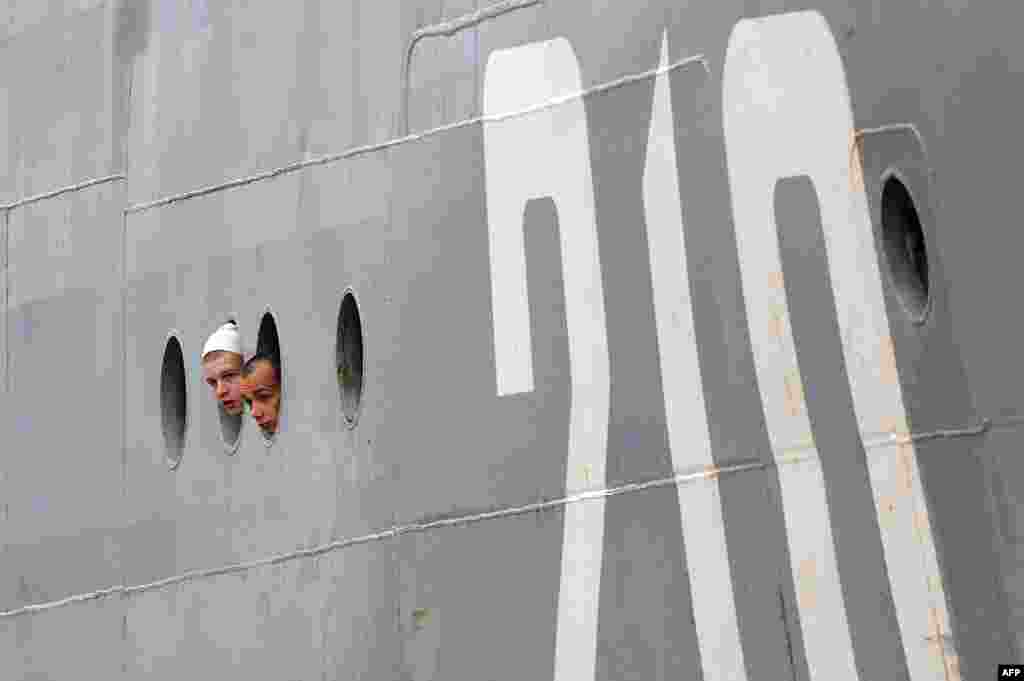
(471, 19)
(62, 190)
(126, 164)
(380, 146)
(980, 429)
(7, 300)
(398, 530)
(890, 127)
(680, 478)
(873, 441)
(449, 28)
(1007, 422)
(856, 163)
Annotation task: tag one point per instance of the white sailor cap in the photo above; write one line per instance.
(226, 338)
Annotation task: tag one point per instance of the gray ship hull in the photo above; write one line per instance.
(655, 379)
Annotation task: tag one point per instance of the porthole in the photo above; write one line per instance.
(906, 253)
(267, 341)
(173, 401)
(268, 349)
(349, 358)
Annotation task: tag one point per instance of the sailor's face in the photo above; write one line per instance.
(263, 395)
(222, 372)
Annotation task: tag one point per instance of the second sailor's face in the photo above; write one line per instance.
(222, 373)
(263, 395)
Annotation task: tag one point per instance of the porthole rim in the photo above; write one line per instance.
(270, 440)
(350, 424)
(895, 173)
(174, 464)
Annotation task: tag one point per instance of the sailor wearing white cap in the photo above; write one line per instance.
(222, 366)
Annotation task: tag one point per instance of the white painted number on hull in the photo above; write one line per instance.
(700, 506)
(786, 113)
(546, 153)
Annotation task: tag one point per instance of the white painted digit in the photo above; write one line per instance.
(787, 113)
(544, 151)
(700, 504)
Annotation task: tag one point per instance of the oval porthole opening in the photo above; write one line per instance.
(268, 343)
(267, 340)
(173, 401)
(906, 252)
(349, 358)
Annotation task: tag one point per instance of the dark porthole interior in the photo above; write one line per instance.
(349, 355)
(266, 338)
(173, 400)
(267, 342)
(905, 250)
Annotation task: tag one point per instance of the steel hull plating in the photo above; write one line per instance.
(644, 396)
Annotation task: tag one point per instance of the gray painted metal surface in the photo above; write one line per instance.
(641, 396)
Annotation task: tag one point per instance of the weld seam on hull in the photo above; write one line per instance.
(380, 146)
(7, 297)
(53, 193)
(471, 19)
(444, 28)
(449, 28)
(411, 528)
